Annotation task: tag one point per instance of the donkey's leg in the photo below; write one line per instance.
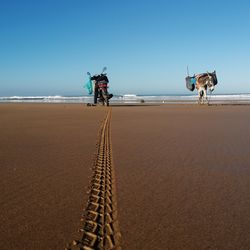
(205, 96)
(199, 98)
(200, 93)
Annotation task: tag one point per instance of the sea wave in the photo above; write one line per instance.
(127, 98)
(47, 99)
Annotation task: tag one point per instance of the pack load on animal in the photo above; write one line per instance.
(89, 86)
(202, 82)
(102, 80)
(204, 78)
(190, 82)
(98, 85)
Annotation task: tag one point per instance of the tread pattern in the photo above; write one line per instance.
(100, 229)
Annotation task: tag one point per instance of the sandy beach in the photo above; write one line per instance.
(46, 152)
(182, 174)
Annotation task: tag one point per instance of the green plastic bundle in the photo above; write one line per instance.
(89, 86)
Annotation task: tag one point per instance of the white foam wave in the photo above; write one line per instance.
(127, 98)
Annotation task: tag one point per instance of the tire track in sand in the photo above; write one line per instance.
(100, 228)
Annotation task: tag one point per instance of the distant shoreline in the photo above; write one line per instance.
(131, 99)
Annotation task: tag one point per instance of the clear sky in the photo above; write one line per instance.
(46, 47)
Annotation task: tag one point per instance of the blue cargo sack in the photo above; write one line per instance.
(89, 86)
(193, 80)
(190, 83)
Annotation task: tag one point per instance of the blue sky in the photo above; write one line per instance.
(46, 47)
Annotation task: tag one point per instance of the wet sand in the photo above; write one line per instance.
(182, 174)
(46, 152)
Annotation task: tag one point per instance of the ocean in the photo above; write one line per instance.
(131, 99)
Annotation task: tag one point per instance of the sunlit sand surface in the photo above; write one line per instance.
(182, 174)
